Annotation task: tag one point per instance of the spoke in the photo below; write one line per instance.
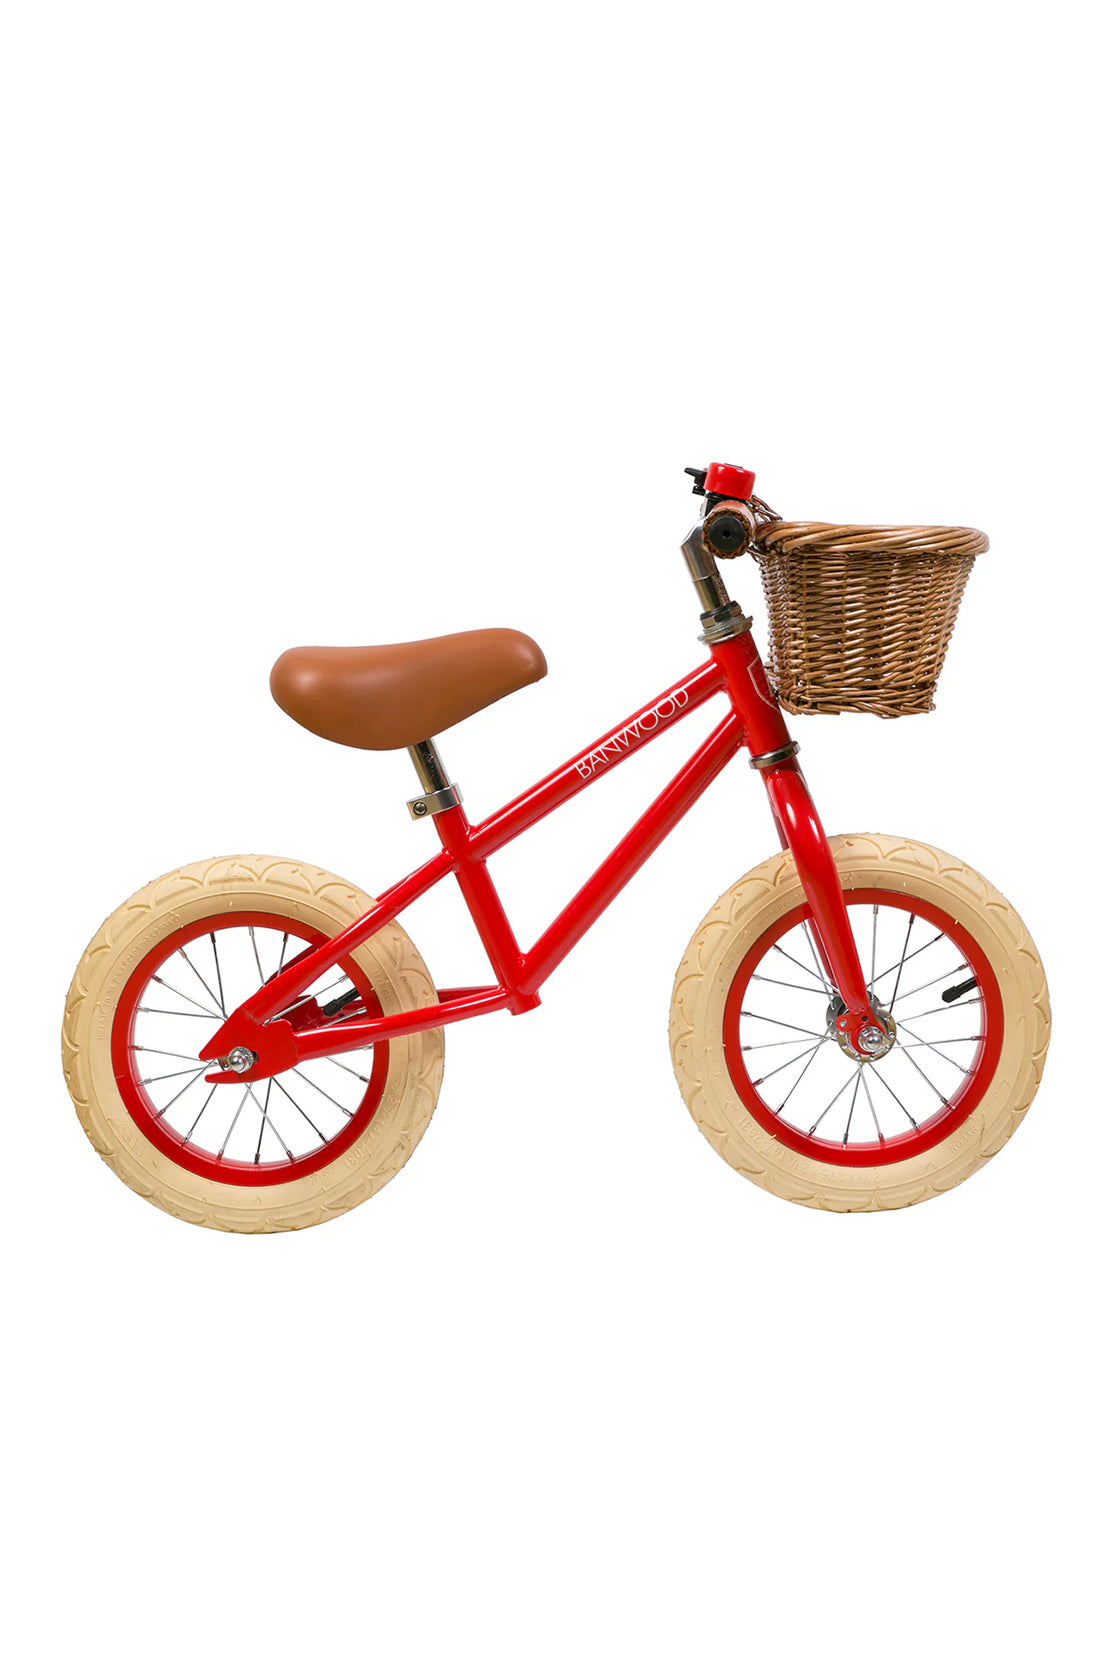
(942, 1008)
(321, 1092)
(363, 1076)
(800, 965)
(817, 961)
(774, 1044)
(263, 1123)
(791, 985)
(177, 1073)
(971, 1038)
(874, 941)
(213, 1092)
(282, 956)
(202, 982)
(835, 1100)
(923, 988)
(805, 1070)
(927, 1046)
(891, 1092)
(852, 1108)
(183, 1088)
(792, 1026)
(256, 954)
(874, 1116)
(192, 1001)
(279, 1141)
(218, 972)
(148, 1050)
(946, 1101)
(233, 1122)
(183, 1014)
(790, 1063)
(301, 1111)
(269, 1121)
(901, 964)
(877, 977)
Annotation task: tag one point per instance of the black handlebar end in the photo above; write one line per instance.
(726, 536)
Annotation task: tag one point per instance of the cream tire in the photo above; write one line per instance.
(324, 902)
(728, 933)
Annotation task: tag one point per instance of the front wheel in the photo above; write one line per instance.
(956, 981)
(161, 975)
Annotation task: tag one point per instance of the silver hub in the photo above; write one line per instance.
(875, 1040)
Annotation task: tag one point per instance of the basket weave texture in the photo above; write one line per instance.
(861, 615)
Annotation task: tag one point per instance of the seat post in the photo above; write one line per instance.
(440, 793)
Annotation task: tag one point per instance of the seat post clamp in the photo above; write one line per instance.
(430, 804)
(440, 794)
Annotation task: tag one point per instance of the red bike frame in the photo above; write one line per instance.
(282, 1028)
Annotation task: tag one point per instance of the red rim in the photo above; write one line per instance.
(917, 1138)
(160, 1132)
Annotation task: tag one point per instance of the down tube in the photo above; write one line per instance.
(632, 851)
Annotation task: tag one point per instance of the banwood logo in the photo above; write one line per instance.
(632, 734)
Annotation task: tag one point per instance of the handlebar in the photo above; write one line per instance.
(728, 529)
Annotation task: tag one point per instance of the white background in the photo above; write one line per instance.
(360, 323)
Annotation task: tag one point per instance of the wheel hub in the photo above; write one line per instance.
(873, 1041)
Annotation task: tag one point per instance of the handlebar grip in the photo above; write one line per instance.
(728, 529)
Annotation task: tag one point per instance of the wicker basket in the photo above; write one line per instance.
(861, 615)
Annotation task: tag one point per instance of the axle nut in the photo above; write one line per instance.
(240, 1060)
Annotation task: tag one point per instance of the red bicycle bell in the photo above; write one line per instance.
(725, 480)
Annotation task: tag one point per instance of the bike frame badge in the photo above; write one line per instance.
(625, 740)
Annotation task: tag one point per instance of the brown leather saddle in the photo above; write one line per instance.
(397, 695)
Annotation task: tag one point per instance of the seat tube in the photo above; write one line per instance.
(442, 801)
(488, 913)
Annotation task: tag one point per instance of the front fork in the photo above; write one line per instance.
(800, 829)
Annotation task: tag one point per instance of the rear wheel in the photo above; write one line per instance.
(964, 1021)
(153, 986)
